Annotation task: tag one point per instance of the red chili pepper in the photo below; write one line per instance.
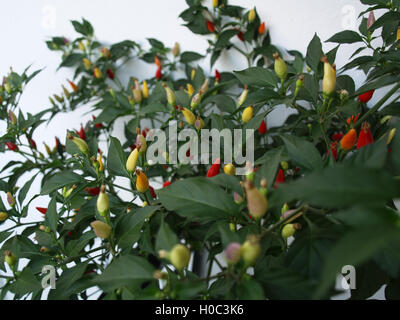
(69, 234)
(157, 61)
(110, 74)
(12, 146)
(262, 129)
(81, 133)
(41, 210)
(214, 169)
(188, 153)
(280, 178)
(159, 74)
(240, 36)
(210, 26)
(97, 125)
(333, 150)
(337, 136)
(261, 28)
(166, 184)
(93, 191)
(365, 97)
(352, 119)
(152, 192)
(365, 137)
(132, 147)
(32, 143)
(217, 75)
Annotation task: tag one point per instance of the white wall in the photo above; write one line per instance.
(26, 24)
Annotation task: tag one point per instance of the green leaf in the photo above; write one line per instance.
(60, 180)
(250, 290)
(346, 36)
(270, 164)
(116, 161)
(26, 283)
(224, 103)
(125, 271)
(198, 200)
(224, 38)
(260, 96)
(24, 190)
(71, 60)
(190, 56)
(51, 215)
(303, 153)
(314, 53)
(166, 238)
(257, 76)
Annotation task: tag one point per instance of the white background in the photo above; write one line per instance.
(26, 24)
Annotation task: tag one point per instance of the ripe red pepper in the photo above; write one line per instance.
(81, 133)
(110, 74)
(41, 210)
(261, 28)
(32, 143)
(12, 146)
(166, 184)
(152, 192)
(262, 129)
(333, 150)
(240, 36)
(93, 191)
(337, 136)
(280, 178)
(217, 75)
(97, 125)
(214, 169)
(352, 119)
(365, 97)
(365, 137)
(159, 74)
(210, 26)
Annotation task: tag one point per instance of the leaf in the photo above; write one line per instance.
(71, 60)
(373, 155)
(250, 290)
(314, 53)
(339, 187)
(116, 161)
(60, 180)
(198, 200)
(260, 96)
(346, 36)
(51, 215)
(166, 238)
(269, 165)
(224, 103)
(190, 56)
(224, 38)
(302, 152)
(257, 76)
(385, 18)
(124, 271)
(24, 190)
(26, 283)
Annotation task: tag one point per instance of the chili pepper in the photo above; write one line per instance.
(329, 80)
(93, 191)
(166, 184)
(141, 144)
(289, 230)
(353, 119)
(131, 162)
(337, 136)
(41, 210)
(365, 97)
(250, 250)
(81, 133)
(110, 74)
(214, 169)
(176, 50)
(251, 15)
(333, 149)
(280, 178)
(145, 90)
(193, 74)
(152, 192)
(3, 216)
(10, 258)
(299, 84)
(159, 74)
(66, 92)
(247, 114)
(137, 92)
(189, 116)
(86, 63)
(73, 86)
(97, 125)
(81, 46)
(261, 28)
(97, 73)
(179, 256)
(196, 100)
(210, 26)
(80, 143)
(256, 202)
(233, 253)
(103, 203)
(204, 86)
(280, 66)
(391, 135)
(12, 146)
(371, 19)
(215, 3)
(157, 61)
(12, 117)
(101, 229)
(171, 98)
(237, 198)
(262, 129)
(101, 165)
(240, 35)
(349, 140)
(365, 137)
(199, 123)
(105, 52)
(190, 90)
(230, 169)
(142, 183)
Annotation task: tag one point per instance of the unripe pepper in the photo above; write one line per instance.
(365, 137)
(10, 258)
(391, 135)
(243, 96)
(41, 210)
(256, 202)
(101, 165)
(289, 230)
(66, 92)
(215, 3)
(263, 187)
(365, 97)
(329, 80)
(199, 123)
(81, 46)
(171, 98)
(103, 204)
(190, 90)
(10, 199)
(210, 26)
(141, 143)
(176, 49)
(214, 169)
(252, 15)
(137, 92)
(204, 86)
(44, 249)
(105, 52)
(7, 87)
(299, 85)
(58, 98)
(12, 146)
(97, 73)
(250, 250)
(371, 19)
(230, 169)
(189, 116)
(12, 117)
(179, 256)
(87, 64)
(192, 74)
(145, 90)
(237, 198)
(262, 129)
(280, 67)
(349, 140)
(142, 183)
(80, 143)
(101, 229)
(3, 216)
(247, 114)
(196, 100)
(233, 253)
(131, 162)
(261, 28)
